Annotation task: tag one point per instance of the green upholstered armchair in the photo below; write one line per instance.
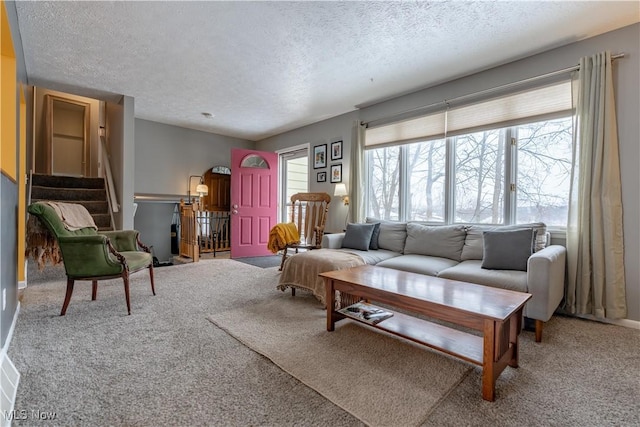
(91, 255)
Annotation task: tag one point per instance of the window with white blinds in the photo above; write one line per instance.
(542, 103)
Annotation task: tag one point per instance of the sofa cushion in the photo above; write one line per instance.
(445, 241)
(392, 234)
(472, 272)
(422, 264)
(473, 247)
(358, 236)
(508, 249)
(372, 257)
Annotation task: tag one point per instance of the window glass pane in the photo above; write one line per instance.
(426, 165)
(479, 177)
(544, 171)
(383, 201)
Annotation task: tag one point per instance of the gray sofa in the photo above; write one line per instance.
(511, 257)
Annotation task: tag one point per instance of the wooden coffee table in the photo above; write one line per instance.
(497, 313)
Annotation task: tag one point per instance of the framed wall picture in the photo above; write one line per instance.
(321, 176)
(320, 156)
(336, 150)
(336, 173)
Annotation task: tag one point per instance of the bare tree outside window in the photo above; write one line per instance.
(479, 177)
(544, 171)
(426, 169)
(384, 183)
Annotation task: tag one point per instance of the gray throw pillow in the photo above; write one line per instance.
(358, 236)
(373, 245)
(508, 250)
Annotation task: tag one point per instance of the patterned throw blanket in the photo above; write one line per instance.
(301, 271)
(281, 235)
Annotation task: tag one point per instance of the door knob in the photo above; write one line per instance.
(235, 211)
(235, 206)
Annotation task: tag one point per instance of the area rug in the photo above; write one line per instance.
(380, 379)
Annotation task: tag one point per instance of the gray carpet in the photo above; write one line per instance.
(262, 261)
(166, 364)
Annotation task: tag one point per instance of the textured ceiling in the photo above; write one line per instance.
(262, 68)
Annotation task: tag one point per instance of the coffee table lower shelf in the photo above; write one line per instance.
(462, 345)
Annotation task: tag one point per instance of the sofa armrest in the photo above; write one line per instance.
(332, 241)
(545, 281)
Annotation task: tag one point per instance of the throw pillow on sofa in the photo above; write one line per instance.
(508, 249)
(392, 234)
(444, 241)
(373, 245)
(473, 244)
(358, 236)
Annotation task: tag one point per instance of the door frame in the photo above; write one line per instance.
(49, 100)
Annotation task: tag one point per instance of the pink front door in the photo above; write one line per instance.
(254, 195)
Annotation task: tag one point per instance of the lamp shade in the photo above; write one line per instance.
(202, 189)
(340, 190)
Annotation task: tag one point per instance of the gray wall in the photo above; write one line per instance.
(9, 200)
(325, 132)
(165, 157)
(626, 80)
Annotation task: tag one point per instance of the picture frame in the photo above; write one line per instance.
(321, 176)
(336, 173)
(320, 156)
(336, 150)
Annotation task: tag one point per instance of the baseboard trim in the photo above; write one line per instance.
(5, 347)
(627, 323)
(9, 377)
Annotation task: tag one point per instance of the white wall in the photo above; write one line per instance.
(626, 80)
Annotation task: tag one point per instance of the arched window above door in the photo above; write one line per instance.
(254, 161)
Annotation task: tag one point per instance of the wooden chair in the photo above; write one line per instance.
(309, 214)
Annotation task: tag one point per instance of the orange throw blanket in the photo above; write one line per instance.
(281, 235)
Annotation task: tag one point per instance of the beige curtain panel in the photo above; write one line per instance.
(356, 176)
(595, 247)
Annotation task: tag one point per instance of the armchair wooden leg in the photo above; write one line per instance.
(67, 297)
(153, 287)
(125, 279)
(94, 290)
(284, 256)
(539, 324)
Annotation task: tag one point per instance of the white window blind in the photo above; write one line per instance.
(541, 103)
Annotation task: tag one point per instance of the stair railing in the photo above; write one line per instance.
(112, 198)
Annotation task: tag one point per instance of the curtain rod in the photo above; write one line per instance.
(486, 91)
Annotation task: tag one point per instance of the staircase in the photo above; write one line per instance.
(89, 192)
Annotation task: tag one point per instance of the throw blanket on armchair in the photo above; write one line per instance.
(281, 235)
(41, 244)
(73, 215)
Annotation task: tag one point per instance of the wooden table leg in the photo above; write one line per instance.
(514, 331)
(331, 303)
(488, 361)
